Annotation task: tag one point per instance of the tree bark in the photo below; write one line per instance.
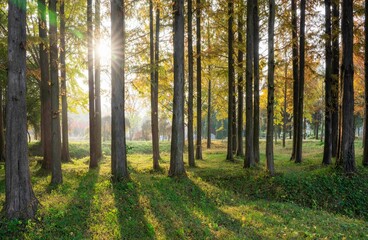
(46, 135)
(335, 75)
(249, 143)
(294, 26)
(93, 163)
(20, 201)
(190, 84)
(98, 113)
(299, 134)
(347, 154)
(209, 95)
(2, 137)
(199, 82)
(65, 156)
(229, 155)
(240, 151)
(285, 117)
(256, 82)
(119, 166)
(177, 139)
(365, 135)
(56, 177)
(327, 152)
(154, 95)
(271, 89)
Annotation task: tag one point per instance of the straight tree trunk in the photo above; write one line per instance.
(299, 135)
(294, 23)
(240, 152)
(154, 95)
(46, 135)
(2, 137)
(190, 84)
(365, 135)
(256, 82)
(249, 143)
(327, 152)
(98, 113)
(209, 94)
(20, 201)
(93, 163)
(56, 177)
(271, 89)
(285, 118)
(335, 75)
(231, 90)
(347, 154)
(177, 139)
(119, 166)
(199, 82)
(65, 156)
(157, 59)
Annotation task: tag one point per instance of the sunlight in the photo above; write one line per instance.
(104, 50)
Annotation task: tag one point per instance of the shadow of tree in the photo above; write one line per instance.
(133, 224)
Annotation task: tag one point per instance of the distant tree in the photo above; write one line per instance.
(56, 177)
(271, 89)
(365, 155)
(119, 166)
(177, 139)
(157, 65)
(98, 115)
(240, 152)
(347, 155)
(20, 201)
(191, 159)
(65, 156)
(45, 87)
(199, 81)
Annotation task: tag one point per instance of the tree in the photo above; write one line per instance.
(20, 201)
(199, 82)
(119, 166)
(365, 154)
(65, 156)
(56, 177)
(300, 118)
(256, 81)
(327, 152)
(2, 137)
(46, 136)
(347, 155)
(231, 90)
(177, 139)
(240, 59)
(249, 143)
(98, 129)
(154, 95)
(93, 163)
(190, 87)
(271, 89)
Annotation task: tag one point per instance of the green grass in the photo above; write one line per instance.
(218, 200)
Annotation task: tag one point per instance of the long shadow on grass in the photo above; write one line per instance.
(73, 222)
(185, 211)
(133, 224)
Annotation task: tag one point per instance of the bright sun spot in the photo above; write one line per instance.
(104, 49)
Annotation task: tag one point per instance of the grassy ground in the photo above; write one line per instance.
(218, 200)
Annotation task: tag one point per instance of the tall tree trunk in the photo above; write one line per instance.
(240, 152)
(294, 26)
(300, 118)
(256, 82)
(209, 95)
(56, 177)
(157, 65)
(347, 154)
(327, 152)
(335, 75)
(20, 201)
(93, 163)
(199, 82)
(230, 143)
(46, 135)
(271, 89)
(154, 95)
(177, 139)
(2, 137)
(190, 84)
(249, 144)
(119, 166)
(65, 156)
(365, 134)
(285, 117)
(98, 80)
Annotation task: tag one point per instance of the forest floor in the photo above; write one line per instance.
(218, 199)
